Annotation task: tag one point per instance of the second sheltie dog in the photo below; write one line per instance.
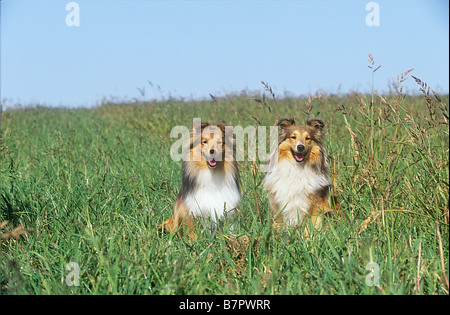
(209, 188)
(298, 179)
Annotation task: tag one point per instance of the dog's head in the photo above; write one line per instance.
(302, 144)
(208, 145)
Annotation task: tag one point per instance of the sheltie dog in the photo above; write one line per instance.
(209, 188)
(298, 178)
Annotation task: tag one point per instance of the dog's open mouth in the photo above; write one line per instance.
(212, 163)
(299, 157)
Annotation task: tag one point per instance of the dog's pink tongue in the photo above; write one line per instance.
(212, 163)
(298, 158)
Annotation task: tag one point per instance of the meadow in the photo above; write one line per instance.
(83, 190)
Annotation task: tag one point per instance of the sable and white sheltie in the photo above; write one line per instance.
(209, 188)
(298, 178)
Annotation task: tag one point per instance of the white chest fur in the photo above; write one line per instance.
(290, 185)
(215, 195)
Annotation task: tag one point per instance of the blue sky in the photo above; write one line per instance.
(192, 48)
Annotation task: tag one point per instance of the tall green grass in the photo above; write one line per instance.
(90, 186)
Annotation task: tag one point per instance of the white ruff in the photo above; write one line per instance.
(290, 184)
(216, 195)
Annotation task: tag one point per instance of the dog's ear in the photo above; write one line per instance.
(286, 122)
(204, 125)
(198, 128)
(316, 123)
(222, 127)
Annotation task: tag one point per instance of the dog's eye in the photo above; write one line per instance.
(293, 137)
(307, 138)
(204, 141)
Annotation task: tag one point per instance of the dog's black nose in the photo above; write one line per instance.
(300, 147)
(212, 151)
